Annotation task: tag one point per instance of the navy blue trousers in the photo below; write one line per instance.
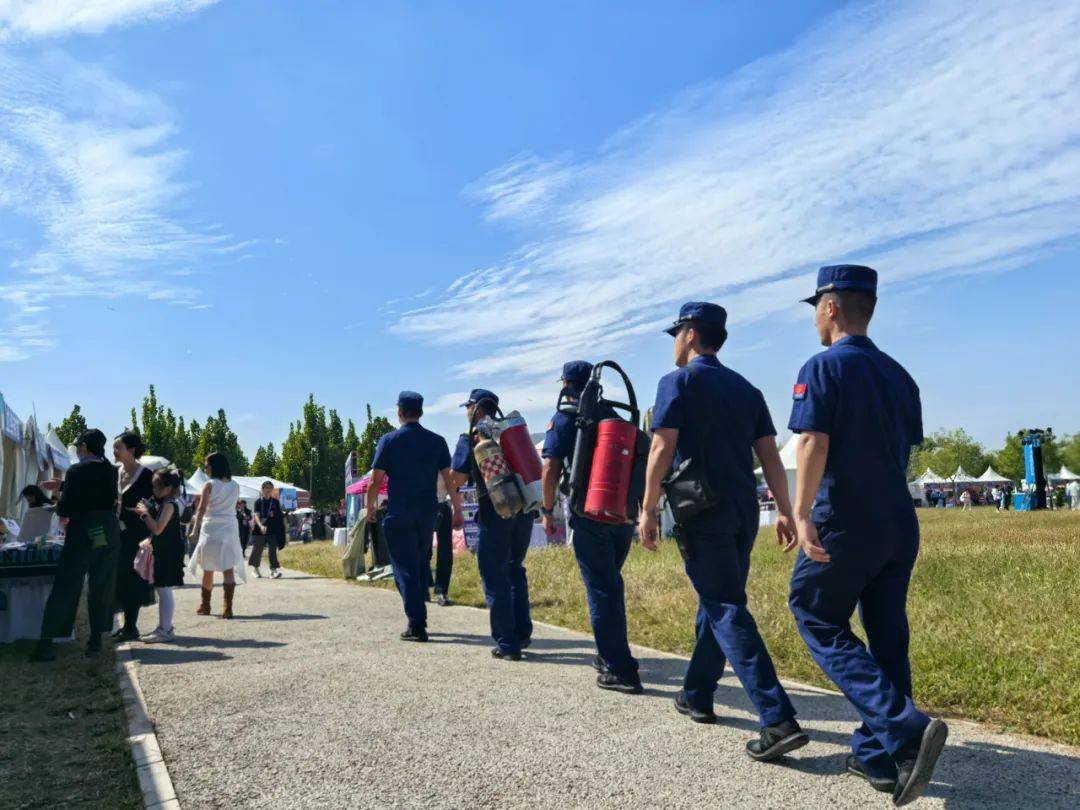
(870, 570)
(601, 550)
(500, 555)
(716, 553)
(406, 538)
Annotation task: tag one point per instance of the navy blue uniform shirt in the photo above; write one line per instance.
(561, 436)
(719, 413)
(412, 457)
(869, 407)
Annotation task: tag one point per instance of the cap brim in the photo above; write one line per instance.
(674, 328)
(465, 404)
(812, 300)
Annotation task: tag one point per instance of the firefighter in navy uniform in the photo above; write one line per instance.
(501, 546)
(858, 413)
(712, 415)
(412, 456)
(600, 548)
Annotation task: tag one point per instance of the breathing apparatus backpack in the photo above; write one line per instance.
(506, 460)
(607, 476)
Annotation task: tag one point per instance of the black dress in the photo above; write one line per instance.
(132, 591)
(169, 550)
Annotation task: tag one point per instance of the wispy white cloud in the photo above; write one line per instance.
(926, 138)
(35, 19)
(88, 171)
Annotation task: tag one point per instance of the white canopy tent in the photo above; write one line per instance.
(250, 486)
(929, 478)
(991, 476)
(788, 454)
(961, 477)
(1064, 474)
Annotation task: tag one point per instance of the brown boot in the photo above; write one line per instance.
(204, 608)
(230, 587)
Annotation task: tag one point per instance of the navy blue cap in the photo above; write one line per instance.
(410, 399)
(699, 312)
(478, 394)
(836, 277)
(576, 372)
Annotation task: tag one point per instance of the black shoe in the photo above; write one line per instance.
(612, 682)
(599, 664)
(882, 783)
(775, 741)
(697, 715)
(915, 762)
(505, 655)
(414, 635)
(93, 646)
(43, 652)
(443, 600)
(117, 634)
(525, 643)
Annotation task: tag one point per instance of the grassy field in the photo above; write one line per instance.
(63, 731)
(994, 610)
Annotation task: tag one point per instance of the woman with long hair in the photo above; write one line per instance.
(136, 485)
(218, 548)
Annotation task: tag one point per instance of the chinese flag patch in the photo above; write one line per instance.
(798, 393)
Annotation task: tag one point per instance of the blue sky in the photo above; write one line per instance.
(244, 201)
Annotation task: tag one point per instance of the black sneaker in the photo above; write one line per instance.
(697, 715)
(612, 682)
(414, 635)
(915, 763)
(884, 784)
(525, 643)
(93, 646)
(443, 600)
(43, 652)
(599, 664)
(775, 741)
(505, 655)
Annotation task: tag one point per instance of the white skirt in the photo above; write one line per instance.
(219, 548)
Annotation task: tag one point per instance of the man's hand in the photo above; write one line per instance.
(648, 529)
(549, 525)
(809, 541)
(372, 516)
(786, 535)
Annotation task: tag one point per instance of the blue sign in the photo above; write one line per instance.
(1029, 462)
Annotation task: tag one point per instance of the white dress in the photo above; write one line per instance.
(219, 546)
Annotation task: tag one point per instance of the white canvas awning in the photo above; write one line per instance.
(961, 477)
(929, 478)
(991, 476)
(1064, 474)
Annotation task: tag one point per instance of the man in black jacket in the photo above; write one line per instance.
(91, 547)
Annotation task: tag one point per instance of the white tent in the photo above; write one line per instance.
(1064, 474)
(992, 477)
(60, 455)
(788, 455)
(929, 478)
(250, 486)
(961, 477)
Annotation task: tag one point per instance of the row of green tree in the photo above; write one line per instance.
(946, 450)
(312, 456)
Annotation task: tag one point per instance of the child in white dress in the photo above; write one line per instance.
(215, 525)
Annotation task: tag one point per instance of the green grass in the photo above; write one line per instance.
(63, 730)
(994, 611)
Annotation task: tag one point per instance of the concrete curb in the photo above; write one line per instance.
(154, 780)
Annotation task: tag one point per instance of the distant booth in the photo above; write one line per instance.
(291, 496)
(788, 457)
(31, 539)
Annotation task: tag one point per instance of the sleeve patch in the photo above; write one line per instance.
(798, 393)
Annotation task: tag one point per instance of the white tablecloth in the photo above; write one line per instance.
(22, 605)
(341, 537)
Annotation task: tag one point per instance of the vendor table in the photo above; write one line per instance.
(26, 578)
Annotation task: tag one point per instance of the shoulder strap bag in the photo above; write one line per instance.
(688, 489)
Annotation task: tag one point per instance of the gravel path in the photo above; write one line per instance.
(308, 699)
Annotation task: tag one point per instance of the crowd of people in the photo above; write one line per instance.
(128, 531)
(857, 411)
(859, 414)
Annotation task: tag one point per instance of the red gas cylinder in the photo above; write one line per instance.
(524, 460)
(612, 465)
